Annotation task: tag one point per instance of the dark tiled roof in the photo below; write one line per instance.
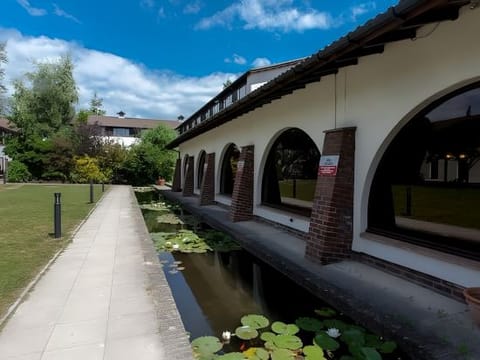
(4, 124)
(397, 23)
(114, 121)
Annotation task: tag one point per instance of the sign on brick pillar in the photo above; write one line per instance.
(241, 208)
(177, 177)
(331, 225)
(207, 188)
(189, 173)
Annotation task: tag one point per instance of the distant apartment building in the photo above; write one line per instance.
(126, 131)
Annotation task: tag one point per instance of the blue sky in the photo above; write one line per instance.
(163, 58)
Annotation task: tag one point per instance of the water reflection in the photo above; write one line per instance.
(225, 286)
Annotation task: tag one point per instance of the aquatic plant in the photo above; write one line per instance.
(261, 340)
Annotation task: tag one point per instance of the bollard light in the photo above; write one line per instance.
(57, 216)
(91, 191)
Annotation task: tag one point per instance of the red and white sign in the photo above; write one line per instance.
(328, 165)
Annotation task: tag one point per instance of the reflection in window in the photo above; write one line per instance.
(290, 173)
(121, 132)
(229, 169)
(201, 169)
(427, 185)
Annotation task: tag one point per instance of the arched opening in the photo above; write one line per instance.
(426, 189)
(200, 168)
(290, 172)
(229, 169)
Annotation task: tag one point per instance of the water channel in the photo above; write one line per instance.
(215, 289)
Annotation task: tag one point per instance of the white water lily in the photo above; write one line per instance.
(226, 335)
(176, 246)
(333, 332)
(168, 243)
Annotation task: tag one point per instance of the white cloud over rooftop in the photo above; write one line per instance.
(123, 84)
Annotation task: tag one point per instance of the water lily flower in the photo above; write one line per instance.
(226, 335)
(168, 243)
(176, 246)
(333, 332)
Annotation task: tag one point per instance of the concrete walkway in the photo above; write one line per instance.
(104, 298)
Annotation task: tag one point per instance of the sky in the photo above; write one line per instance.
(164, 58)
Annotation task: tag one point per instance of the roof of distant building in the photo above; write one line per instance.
(125, 122)
(5, 124)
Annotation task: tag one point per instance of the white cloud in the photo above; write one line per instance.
(259, 62)
(32, 10)
(361, 9)
(237, 59)
(193, 8)
(60, 12)
(121, 83)
(278, 15)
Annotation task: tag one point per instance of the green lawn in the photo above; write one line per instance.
(453, 206)
(26, 231)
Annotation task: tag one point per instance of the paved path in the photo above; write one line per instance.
(104, 298)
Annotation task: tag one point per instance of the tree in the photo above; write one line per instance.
(149, 159)
(96, 104)
(42, 109)
(44, 103)
(3, 89)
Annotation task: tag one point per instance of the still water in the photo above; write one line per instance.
(217, 288)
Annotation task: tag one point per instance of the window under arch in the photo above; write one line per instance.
(290, 173)
(426, 189)
(229, 169)
(201, 169)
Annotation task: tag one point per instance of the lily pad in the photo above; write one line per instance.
(313, 352)
(373, 341)
(326, 342)
(270, 345)
(353, 336)
(326, 312)
(255, 321)
(267, 336)
(371, 354)
(283, 354)
(287, 329)
(232, 356)
(387, 347)
(309, 324)
(206, 345)
(246, 332)
(290, 342)
(255, 353)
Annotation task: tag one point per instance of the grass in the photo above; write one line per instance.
(26, 231)
(453, 206)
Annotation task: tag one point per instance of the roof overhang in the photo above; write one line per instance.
(400, 22)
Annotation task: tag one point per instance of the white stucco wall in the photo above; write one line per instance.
(378, 96)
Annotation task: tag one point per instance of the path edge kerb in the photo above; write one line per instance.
(172, 332)
(4, 319)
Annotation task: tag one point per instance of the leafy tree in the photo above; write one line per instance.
(111, 159)
(3, 89)
(149, 160)
(96, 104)
(44, 101)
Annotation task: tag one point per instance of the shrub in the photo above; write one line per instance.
(86, 169)
(18, 172)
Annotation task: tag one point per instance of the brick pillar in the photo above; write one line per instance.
(241, 208)
(177, 177)
(189, 173)
(331, 225)
(207, 188)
